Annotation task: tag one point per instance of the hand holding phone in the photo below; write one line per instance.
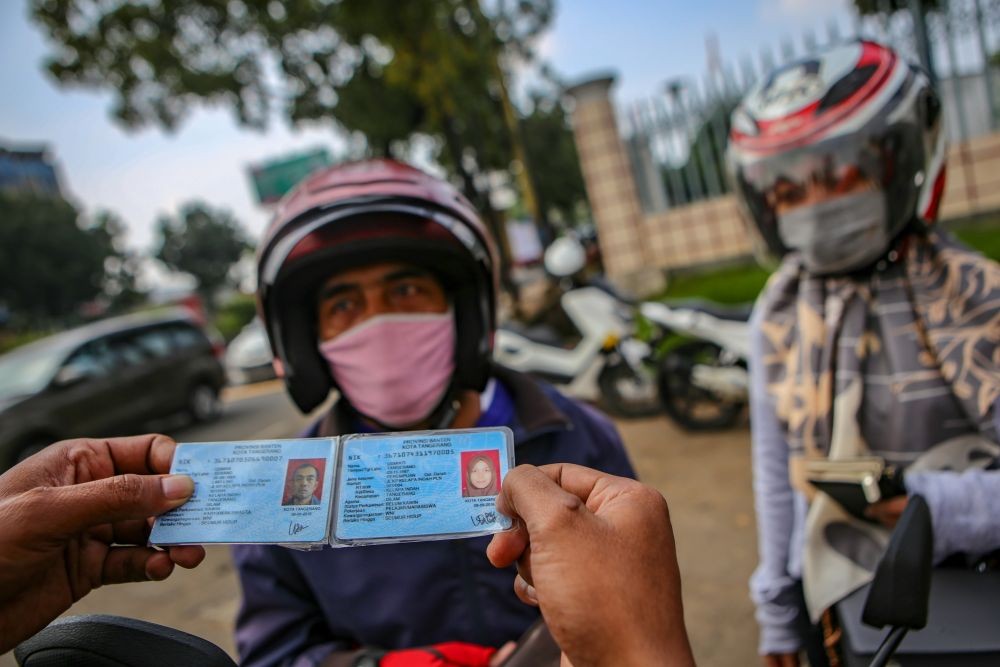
(856, 484)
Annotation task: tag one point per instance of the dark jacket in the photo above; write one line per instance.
(298, 606)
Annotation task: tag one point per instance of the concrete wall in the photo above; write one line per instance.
(608, 176)
(637, 246)
(972, 182)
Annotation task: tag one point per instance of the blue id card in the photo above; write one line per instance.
(253, 492)
(343, 491)
(422, 485)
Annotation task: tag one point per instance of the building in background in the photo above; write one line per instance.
(28, 170)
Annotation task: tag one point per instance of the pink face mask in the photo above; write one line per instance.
(394, 368)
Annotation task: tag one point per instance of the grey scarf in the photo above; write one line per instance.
(893, 363)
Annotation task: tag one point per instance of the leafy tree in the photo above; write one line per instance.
(866, 7)
(235, 314)
(203, 242)
(121, 269)
(386, 70)
(50, 264)
(551, 151)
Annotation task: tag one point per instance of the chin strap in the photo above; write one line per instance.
(444, 414)
(900, 245)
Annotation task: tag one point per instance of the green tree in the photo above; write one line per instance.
(119, 290)
(384, 70)
(50, 263)
(866, 7)
(203, 242)
(551, 151)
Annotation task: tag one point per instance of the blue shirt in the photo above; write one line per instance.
(299, 606)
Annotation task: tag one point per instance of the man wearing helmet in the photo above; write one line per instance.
(379, 281)
(877, 336)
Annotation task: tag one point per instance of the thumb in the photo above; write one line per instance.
(70, 509)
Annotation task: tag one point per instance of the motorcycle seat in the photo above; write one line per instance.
(962, 627)
(537, 333)
(99, 640)
(738, 312)
(606, 286)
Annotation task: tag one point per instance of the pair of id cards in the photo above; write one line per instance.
(343, 491)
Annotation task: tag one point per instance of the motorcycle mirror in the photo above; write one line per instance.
(564, 257)
(900, 591)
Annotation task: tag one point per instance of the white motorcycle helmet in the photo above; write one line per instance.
(564, 257)
(835, 155)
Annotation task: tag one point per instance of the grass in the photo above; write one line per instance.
(732, 284)
(984, 237)
(742, 283)
(10, 340)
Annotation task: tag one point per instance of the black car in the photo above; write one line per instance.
(106, 378)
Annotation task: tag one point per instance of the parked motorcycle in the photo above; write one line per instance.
(702, 380)
(598, 359)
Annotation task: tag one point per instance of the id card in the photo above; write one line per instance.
(410, 487)
(342, 491)
(253, 492)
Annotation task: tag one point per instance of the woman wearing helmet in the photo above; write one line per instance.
(877, 336)
(379, 281)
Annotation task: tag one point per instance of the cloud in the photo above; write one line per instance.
(148, 175)
(546, 46)
(803, 12)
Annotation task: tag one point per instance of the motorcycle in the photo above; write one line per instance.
(905, 595)
(951, 613)
(594, 357)
(702, 378)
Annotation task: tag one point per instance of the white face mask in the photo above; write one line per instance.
(839, 235)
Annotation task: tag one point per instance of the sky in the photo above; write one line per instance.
(142, 175)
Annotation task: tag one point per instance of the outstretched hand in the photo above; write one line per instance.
(77, 516)
(596, 553)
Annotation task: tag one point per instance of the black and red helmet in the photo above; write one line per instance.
(359, 213)
(854, 113)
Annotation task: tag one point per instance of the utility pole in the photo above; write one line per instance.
(922, 39)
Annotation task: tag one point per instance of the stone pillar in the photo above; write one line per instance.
(611, 186)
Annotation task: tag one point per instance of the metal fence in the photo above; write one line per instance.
(676, 138)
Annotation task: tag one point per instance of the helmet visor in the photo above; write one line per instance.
(811, 175)
(827, 200)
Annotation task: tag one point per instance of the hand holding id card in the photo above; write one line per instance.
(343, 491)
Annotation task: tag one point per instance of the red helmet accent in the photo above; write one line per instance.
(854, 112)
(360, 213)
(837, 100)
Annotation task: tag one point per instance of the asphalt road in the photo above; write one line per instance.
(705, 478)
(258, 411)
